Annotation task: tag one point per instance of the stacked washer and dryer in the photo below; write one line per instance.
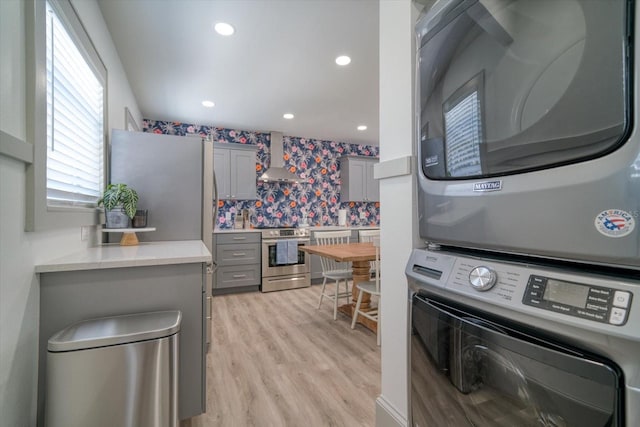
(525, 301)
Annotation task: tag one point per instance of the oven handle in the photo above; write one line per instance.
(287, 279)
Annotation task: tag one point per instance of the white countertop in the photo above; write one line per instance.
(310, 228)
(142, 255)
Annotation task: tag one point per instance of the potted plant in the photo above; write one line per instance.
(120, 203)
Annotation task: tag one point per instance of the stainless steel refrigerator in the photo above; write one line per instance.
(175, 181)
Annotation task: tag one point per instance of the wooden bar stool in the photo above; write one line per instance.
(340, 272)
(372, 288)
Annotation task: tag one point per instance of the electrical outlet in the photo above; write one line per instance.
(363, 215)
(227, 216)
(85, 233)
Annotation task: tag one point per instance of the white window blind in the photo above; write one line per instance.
(75, 121)
(463, 130)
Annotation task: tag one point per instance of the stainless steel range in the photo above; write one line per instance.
(277, 273)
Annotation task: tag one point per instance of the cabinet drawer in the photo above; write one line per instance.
(227, 238)
(242, 253)
(237, 275)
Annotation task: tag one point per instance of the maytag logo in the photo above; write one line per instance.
(488, 186)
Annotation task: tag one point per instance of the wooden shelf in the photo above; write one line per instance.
(129, 237)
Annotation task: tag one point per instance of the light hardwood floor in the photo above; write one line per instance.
(277, 361)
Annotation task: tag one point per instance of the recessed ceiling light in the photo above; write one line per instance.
(208, 104)
(224, 29)
(343, 60)
(362, 127)
(288, 116)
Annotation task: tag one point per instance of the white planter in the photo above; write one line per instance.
(116, 218)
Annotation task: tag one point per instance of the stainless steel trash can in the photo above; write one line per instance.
(114, 371)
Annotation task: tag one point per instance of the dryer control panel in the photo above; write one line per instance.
(597, 303)
(586, 300)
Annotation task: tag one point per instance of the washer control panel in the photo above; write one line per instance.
(597, 303)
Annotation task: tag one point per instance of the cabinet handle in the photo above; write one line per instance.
(239, 276)
(239, 238)
(239, 254)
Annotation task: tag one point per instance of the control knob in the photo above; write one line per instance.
(482, 278)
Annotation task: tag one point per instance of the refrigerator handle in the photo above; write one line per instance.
(208, 195)
(215, 199)
(209, 305)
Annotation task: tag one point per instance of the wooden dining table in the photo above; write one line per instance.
(360, 255)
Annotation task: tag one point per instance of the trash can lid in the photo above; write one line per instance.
(116, 330)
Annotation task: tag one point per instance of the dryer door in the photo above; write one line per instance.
(467, 371)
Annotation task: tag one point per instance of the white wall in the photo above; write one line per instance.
(20, 251)
(120, 94)
(397, 203)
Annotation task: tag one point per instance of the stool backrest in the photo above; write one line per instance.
(332, 238)
(369, 236)
(376, 263)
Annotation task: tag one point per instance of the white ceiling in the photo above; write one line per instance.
(280, 59)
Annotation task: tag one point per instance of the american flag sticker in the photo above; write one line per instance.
(615, 223)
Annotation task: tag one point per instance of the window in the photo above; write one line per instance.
(75, 121)
(66, 113)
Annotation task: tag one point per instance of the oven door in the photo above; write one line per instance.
(271, 267)
(467, 371)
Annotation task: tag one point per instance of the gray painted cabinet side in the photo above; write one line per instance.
(69, 297)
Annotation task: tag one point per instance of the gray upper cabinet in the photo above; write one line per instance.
(221, 168)
(358, 184)
(235, 167)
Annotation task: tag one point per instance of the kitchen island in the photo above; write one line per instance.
(112, 280)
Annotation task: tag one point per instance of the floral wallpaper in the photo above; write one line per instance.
(280, 205)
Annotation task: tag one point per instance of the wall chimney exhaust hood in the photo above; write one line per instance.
(276, 171)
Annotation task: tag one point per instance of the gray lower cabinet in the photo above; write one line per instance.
(72, 296)
(238, 259)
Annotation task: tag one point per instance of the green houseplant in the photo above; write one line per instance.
(120, 203)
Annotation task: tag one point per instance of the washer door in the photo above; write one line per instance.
(467, 371)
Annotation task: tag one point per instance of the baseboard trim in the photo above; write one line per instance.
(387, 415)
